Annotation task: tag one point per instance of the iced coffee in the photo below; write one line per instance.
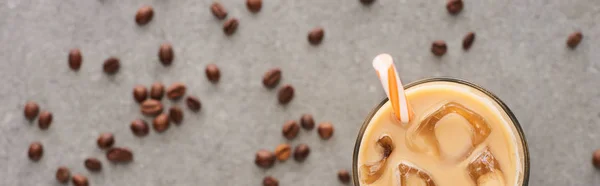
(460, 135)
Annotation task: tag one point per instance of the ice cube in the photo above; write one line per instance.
(485, 170)
(407, 173)
(372, 171)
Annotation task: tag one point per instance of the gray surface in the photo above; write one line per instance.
(519, 54)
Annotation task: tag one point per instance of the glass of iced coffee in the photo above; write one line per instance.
(459, 134)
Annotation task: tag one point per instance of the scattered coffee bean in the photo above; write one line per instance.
(315, 36)
(80, 180)
(230, 26)
(270, 181)
(139, 127)
(176, 91)
(454, 6)
(63, 174)
(45, 120)
(105, 140)
(272, 77)
(283, 151)
(111, 65)
(439, 48)
(31, 110)
(344, 176)
(140, 93)
(213, 73)
(157, 90)
(151, 107)
(285, 94)
(176, 114)
(218, 10)
(119, 155)
(165, 54)
(468, 40)
(290, 129)
(367, 2)
(301, 152)
(264, 158)
(161, 123)
(93, 164)
(574, 39)
(144, 15)
(36, 151)
(325, 130)
(75, 59)
(254, 5)
(193, 103)
(307, 122)
(596, 158)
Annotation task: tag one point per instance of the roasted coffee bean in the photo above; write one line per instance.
(283, 151)
(119, 155)
(140, 93)
(176, 91)
(468, 40)
(272, 77)
(161, 123)
(151, 107)
(36, 151)
(285, 94)
(176, 114)
(301, 152)
(80, 180)
(307, 122)
(105, 140)
(254, 5)
(31, 110)
(193, 103)
(63, 174)
(367, 2)
(230, 26)
(45, 120)
(315, 36)
(344, 176)
(454, 6)
(213, 73)
(218, 10)
(166, 54)
(93, 164)
(439, 48)
(264, 158)
(574, 39)
(290, 129)
(111, 65)
(75, 59)
(325, 130)
(596, 158)
(139, 127)
(270, 181)
(157, 90)
(144, 15)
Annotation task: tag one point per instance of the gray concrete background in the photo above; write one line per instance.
(519, 54)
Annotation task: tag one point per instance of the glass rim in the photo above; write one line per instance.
(502, 105)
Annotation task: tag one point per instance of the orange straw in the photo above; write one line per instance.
(386, 70)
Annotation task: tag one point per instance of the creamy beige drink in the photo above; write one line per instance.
(460, 136)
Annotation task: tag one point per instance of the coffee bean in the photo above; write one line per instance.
(105, 140)
(157, 90)
(176, 114)
(111, 65)
(213, 73)
(283, 151)
(454, 6)
(93, 164)
(270, 181)
(31, 110)
(264, 158)
(344, 176)
(254, 5)
(439, 48)
(144, 15)
(307, 122)
(165, 54)
(75, 59)
(151, 107)
(301, 152)
(140, 93)
(315, 36)
(218, 10)
(63, 174)
(468, 40)
(272, 77)
(193, 103)
(45, 120)
(139, 128)
(325, 130)
(176, 91)
(161, 123)
(285, 94)
(290, 129)
(119, 155)
(367, 2)
(80, 180)
(574, 39)
(230, 26)
(36, 151)
(596, 158)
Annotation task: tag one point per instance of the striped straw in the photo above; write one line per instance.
(386, 70)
